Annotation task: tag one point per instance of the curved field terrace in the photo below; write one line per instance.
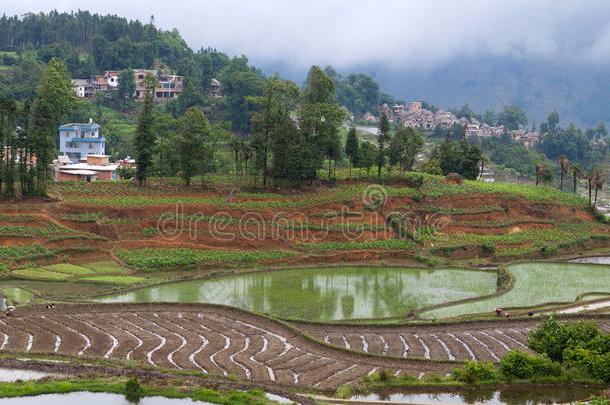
(319, 288)
(209, 339)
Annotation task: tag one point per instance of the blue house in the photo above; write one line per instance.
(79, 140)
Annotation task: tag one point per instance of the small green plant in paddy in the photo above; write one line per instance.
(537, 283)
(166, 258)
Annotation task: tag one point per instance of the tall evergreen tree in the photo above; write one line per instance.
(55, 99)
(404, 147)
(193, 132)
(145, 133)
(320, 117)
(352, 148)
(126, 89)
(279, 97)
(383, 135)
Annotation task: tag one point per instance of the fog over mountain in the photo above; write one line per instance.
(541, 54)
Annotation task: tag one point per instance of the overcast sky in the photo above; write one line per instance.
(389, 33)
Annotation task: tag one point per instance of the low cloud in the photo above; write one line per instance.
(391, 33)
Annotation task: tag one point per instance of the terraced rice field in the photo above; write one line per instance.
(483, 341)
(209, 339)
(325, 293)
(537, 283)
(224, 341)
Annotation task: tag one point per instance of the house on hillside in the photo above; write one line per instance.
(77, 140)
(83, 88)
(94, 167)
(214, 90)
(169, 86)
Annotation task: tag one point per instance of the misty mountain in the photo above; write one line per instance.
(580, 93)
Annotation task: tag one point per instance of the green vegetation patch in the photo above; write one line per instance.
(105, 267)
(166, 258)
(388, 244)
(117, 385)
(29, 252)
(40, 274)
(537, 283)
(70, 269)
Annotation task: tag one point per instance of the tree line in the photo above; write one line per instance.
(28, 132)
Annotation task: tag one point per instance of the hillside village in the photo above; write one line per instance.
(414, 115)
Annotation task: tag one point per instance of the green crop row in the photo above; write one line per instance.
(17, 218)
(28, 252)
(388, 244)
(165, 258)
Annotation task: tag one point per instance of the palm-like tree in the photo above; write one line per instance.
(538, 173)
(598, 182)
(483, 162)
(564, 167)
(576, 171)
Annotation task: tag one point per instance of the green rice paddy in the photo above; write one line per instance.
(324, 294)
(537, 283)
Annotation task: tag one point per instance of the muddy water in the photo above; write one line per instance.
(80, 398)
(514, 395)
(325, 293)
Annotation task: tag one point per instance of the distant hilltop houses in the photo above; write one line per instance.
(169, 86)
(414, 115)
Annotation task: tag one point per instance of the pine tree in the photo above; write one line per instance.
(190, 142)
(404, 147)
(352, 148)
(144, 140)
(383, 135)
(55, 99)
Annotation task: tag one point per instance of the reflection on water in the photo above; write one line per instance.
(11, 375)
(325, 293)
(510, 396)
(80, 398)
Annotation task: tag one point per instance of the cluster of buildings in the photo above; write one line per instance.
(83, 155)
(168, 86)
(414, 115)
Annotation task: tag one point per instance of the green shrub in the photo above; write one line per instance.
(474, 371)
(415, 180)
(489, 248)
(552, 338)
(595, 365)
(343, 392)
(133, 390)
(549, 250)
(518, 365)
